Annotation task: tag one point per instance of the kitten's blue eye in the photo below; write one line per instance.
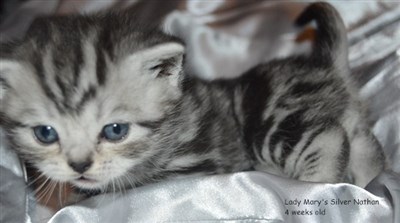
(45, 134)
(115, 131)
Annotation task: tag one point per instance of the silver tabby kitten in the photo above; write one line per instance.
(97, 100)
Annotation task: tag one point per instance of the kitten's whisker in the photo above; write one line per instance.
(40, 194)
(117, 183)
(29, 183)
(53, 186)
(41, 185)
(61, 196)
(121, 186)
(102, 198)
(46, 193)
(113, 192)
(129, 181)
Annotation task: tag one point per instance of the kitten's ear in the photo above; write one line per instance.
(161, 61)
(164, 60)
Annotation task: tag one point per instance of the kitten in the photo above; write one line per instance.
(104, 103)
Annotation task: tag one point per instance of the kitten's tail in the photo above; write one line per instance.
(330, 45)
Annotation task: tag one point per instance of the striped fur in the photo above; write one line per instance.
(296, 117)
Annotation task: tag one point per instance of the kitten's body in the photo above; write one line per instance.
(295, 117)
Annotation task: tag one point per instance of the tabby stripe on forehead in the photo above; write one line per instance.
(289, 132)
(38, 65)
(64, 91)
(89, 94)
(61, 86)
(79, 61)
(100, 66)
(104, 45)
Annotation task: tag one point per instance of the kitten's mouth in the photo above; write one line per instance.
(83, 179)
(84, 182)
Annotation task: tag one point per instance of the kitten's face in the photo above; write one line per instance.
(77, 115)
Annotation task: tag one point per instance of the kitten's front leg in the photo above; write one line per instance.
(367, 159)
(325, 159)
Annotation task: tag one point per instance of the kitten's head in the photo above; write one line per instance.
(76, 91)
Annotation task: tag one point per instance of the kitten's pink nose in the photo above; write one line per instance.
(80, 167)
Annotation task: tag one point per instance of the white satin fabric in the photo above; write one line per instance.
(239, 197)
(224, 38)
